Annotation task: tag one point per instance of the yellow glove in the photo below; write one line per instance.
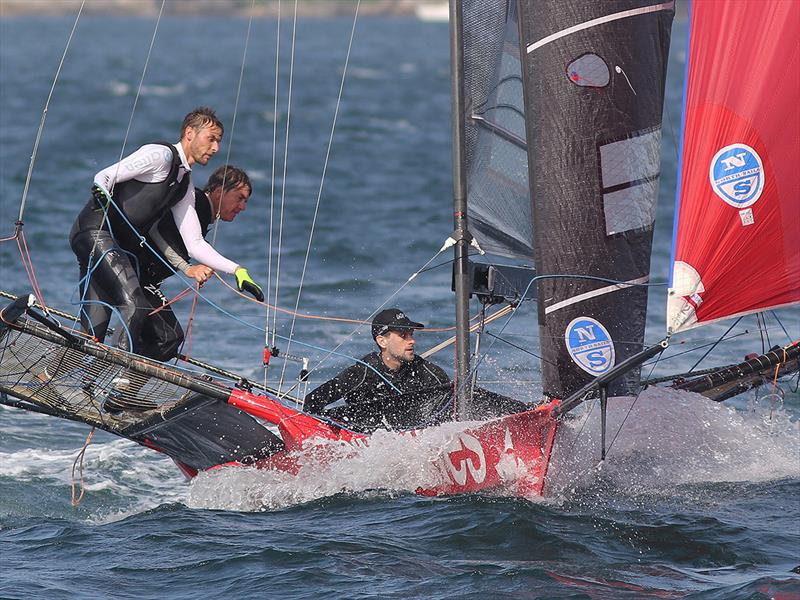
(246, 284)
(101, 196)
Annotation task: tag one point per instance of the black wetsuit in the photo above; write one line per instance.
(108, 247)
(162, 334)
(426, 397)
(370, 402)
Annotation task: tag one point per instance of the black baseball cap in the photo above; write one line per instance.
(392, 318)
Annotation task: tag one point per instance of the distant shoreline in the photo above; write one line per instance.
(230, 8)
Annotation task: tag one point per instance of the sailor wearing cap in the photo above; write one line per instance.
(368, 387)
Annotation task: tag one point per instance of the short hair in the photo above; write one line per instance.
(200, 117)
(228, 178)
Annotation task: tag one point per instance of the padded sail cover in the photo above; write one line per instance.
(737, 234)
(594, 75)
(494, 127)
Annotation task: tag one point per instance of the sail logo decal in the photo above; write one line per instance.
(737, 175)
(464, 456)
(589, 345)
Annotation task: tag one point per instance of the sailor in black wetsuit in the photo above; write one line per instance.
(371, 392)
(128, 198)
(224, 197)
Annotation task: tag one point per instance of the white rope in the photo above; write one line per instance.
(285, 164)
(233, 121)
(24, 199)
(272, 189)
(125, 141)
(368, 319)
(321, 184)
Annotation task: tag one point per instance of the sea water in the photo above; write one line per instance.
(694, 498)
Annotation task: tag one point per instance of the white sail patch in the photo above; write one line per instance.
(630, 172)
(683, 297)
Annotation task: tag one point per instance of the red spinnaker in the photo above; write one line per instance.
(737, 234)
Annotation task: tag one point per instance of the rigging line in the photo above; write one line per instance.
(299, 314)
(285, 166)
(128, 131)
(478, 362)
(27, 262)
(76, 499)
(375, 312)
(513, 345)
(695, 348)
(780, 323)
(578, 435)
(474, 367)
(715, 344)
(762, 330)
(233, 121)
(448, 342)
(334, 351)
(321, 185)
(24, 200)
(272, 183)
(631, 407)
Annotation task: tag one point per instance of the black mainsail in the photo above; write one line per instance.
(594, 76)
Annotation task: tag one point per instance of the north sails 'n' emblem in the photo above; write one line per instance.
(590, 345)
(737, 175)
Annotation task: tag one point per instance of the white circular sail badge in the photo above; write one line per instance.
(737, 175)
(589, 345)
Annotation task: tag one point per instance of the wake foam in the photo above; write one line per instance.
(137, 478)
(393, 463)
(671, 438)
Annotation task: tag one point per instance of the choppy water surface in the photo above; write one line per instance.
(695, 499)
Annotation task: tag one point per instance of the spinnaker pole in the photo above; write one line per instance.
(461, 233)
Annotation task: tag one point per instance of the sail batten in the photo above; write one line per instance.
(736, 243)
(625, 14)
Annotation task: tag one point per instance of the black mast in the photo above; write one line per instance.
(460, 234)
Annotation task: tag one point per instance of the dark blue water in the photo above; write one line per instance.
(695, 499)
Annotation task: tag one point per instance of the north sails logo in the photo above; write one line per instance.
(737, 175)
(590, 345)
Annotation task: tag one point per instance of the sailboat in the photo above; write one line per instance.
(556, 137)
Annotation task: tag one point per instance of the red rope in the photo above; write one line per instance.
(187, 342)
(171, 302)
(27, 262)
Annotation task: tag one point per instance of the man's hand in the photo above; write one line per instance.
(246, 284)
(200, 273)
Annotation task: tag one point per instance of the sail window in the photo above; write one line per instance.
(630, 170)
(589, 70)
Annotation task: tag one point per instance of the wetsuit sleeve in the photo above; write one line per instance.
(192, 235)
(151, 164)
(334, 389)
(172, 256)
